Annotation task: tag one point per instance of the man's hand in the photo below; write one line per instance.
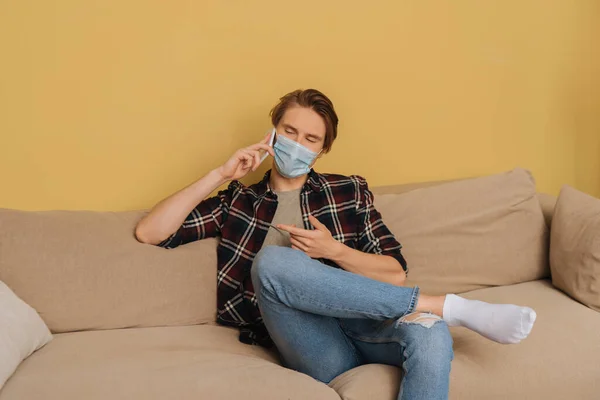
(244, 160)
(320, 244)
(317, 243)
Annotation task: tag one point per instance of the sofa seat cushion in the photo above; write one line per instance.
(193, 362)
(559, 360)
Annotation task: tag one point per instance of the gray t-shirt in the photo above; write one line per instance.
(288, 212)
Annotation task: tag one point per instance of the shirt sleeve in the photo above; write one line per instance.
(373, 235)
(204, 221)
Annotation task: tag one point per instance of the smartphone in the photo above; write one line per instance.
(271, 140)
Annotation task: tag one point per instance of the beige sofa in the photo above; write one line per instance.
(134, 321)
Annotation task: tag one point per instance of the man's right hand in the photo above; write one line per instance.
(244, 160)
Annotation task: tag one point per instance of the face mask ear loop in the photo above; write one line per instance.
(316, 158)
(319, 154)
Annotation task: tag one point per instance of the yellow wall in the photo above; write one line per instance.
(113, 105)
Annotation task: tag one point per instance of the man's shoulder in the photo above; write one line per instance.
(237, 188)
(337, 180)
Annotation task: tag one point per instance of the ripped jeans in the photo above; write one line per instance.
(325, 321)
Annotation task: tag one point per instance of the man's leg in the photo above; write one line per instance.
(419, 343)
(294, 279)
(299, 282)
(309, 343)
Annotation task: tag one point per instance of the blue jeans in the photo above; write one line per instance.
(325, 321)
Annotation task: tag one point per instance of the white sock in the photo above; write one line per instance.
(502, 323)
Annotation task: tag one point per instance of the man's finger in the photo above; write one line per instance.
(317, 224)
(256, 160)
(307, 242)
(243, 159)
(267, 138)
(262, 146)
(241, 154)
(250, 159)
(298, 245)
(297, 231)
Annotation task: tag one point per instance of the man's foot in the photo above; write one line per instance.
(502, 323)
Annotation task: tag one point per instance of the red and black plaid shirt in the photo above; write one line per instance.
(241, 216)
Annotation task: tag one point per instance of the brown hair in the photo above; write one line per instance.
(315, 100)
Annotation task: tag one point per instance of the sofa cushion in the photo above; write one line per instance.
(470, 234)
(22, 332)
(575, 246)
(559, 359)
(547, 201)
(85, 270)
(369, 381)
(195, 362)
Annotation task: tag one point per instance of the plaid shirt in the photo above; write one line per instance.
(241, 216)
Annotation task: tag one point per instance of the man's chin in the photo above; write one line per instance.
(276, 172)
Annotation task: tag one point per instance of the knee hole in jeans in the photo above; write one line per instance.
(425, 319)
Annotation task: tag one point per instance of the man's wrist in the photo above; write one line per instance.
(204, 186)
(338, 251)
(217, 177)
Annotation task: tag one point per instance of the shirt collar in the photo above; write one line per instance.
(313, 183)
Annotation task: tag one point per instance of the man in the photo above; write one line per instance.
(306, 262)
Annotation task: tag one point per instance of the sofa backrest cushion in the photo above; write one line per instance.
(85, 270)
(469, 234)
(575, 246)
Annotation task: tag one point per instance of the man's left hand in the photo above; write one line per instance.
(317, 243)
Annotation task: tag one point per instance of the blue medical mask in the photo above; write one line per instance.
(291, 158)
